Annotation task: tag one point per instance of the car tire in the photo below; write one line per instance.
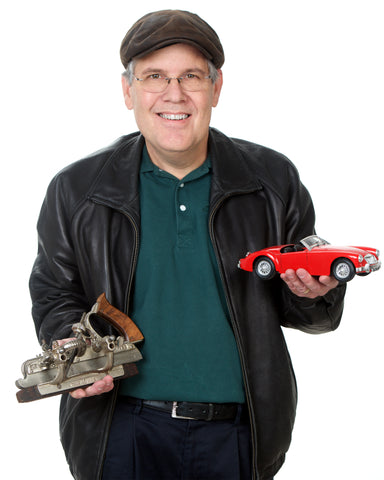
(265, 268)
(343, 270)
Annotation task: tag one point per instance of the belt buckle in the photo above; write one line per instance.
(174, 412)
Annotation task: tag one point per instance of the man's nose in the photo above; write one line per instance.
(174, 90)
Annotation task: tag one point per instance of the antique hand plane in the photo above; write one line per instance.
(84, 359)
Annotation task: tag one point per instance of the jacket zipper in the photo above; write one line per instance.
(232, 317)
(126, 306)
(236, 331)
(136, 249)
(134, 261)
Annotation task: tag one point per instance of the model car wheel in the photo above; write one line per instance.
(343, 270)
(265, 268)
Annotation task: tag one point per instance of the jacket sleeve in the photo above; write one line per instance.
(319, 315)
(58, 298)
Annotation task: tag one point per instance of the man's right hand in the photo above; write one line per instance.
(101, 386)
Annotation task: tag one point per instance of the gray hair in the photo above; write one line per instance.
(129, 72)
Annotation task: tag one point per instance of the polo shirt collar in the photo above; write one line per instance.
(148, 166)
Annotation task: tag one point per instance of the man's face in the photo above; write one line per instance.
(174, 121)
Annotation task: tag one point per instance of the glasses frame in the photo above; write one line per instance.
(168, 81)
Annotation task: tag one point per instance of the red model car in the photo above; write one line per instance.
(316, 256)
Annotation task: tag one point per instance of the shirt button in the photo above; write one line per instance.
(182, 185)
(183, 208)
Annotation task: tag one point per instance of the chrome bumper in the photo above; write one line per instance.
(369, 267)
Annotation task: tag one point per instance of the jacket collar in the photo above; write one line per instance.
(117, 184)
(231, 172)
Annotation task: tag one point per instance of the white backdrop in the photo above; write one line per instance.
(302, 77)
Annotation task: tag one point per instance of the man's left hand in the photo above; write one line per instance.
(302, 284)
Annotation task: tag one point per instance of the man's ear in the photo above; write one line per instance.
(127, 92)
(217, 89)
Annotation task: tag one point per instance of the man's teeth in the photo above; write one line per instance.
(169, 116)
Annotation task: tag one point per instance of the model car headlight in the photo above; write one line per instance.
(360, 258)
(377, 253)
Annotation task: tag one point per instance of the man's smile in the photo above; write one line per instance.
(173, 116)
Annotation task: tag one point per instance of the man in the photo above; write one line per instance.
(158, 222)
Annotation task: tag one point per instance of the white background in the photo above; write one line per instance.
(302, 77)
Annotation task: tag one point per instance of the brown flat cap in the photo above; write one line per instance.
(164, 28)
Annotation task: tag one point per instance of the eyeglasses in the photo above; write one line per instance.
(157, 83)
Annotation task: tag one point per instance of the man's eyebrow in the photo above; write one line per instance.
(153, 70)
(150, 70)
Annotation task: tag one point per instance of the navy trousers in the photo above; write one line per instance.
(146, 444)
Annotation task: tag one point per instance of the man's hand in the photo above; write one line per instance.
(101, 386)
(302, 284)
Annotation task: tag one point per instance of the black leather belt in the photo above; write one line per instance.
(190, 410)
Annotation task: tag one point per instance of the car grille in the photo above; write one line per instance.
(371, 259)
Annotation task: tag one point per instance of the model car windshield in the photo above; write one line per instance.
(313, 241)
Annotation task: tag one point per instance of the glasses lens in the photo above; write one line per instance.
(192, 83)
(157, 83)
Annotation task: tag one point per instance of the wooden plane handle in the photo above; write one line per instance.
(123, 324)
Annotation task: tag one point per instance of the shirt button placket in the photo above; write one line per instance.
(182, 207)
(184, 221)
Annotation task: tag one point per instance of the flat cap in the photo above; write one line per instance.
(166, 27)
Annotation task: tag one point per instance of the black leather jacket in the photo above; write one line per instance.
(89, 232)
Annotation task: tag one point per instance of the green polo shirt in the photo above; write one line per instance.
(178, 301)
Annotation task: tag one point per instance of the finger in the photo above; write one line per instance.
(63, 341)
(90, 391)
(322, 285)
(302, 284)
(294, 282)
(328, 281)
(315, 287)
(101, 386)
(310, 286)
(78, 393)
(306, 279)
